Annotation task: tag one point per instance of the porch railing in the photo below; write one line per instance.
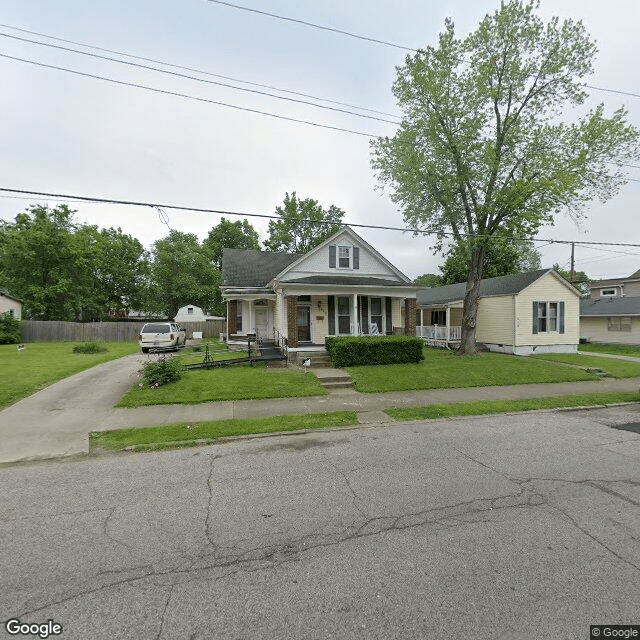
(439, 332)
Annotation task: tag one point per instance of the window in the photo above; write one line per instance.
(620, 323)
(344, 315)
(344, 257)
(239, 318)
(12, 313)
(439, 317)
(548, 317)
(607, 292)
(375, 311)
(190, 310)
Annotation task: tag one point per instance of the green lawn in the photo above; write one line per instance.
(443, 369)
(615, 368)
(238, 382)
(189, 434)
(614, 349)
(502, 406)
(41, 363)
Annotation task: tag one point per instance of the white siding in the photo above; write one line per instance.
(8, 304)
(596, 330)
(495, 320)
(319, 319)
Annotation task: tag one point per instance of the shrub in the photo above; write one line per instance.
(158, 372)
(9, 329)
(349, 351)
(89, 347)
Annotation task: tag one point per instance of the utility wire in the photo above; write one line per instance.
(189, 97)
(213, 82)
(423, 232)
(312, 24)
(201, 71)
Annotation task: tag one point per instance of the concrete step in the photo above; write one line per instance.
(337, 385)
(334, 378)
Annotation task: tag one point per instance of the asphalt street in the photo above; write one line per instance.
(512, 526)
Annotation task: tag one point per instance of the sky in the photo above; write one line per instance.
(69, 134)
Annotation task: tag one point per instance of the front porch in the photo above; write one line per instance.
(440, 326)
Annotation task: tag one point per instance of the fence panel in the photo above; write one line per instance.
(58, 330)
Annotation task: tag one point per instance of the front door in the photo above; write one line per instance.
(262, 321)
(304, 324)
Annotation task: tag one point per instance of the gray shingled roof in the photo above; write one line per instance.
(502, 286)
(348, 280)
(246, 268)
(626, 306)
(6, 294)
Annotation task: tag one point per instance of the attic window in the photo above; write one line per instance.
(344, 257)
(190, 310)
(608, 292)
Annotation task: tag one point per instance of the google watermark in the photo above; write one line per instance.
(598, 631)
(41, 629)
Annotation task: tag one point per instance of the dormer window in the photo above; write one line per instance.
(608, 292)
(344, 257)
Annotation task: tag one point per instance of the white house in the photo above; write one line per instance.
(191, 313)
(610, 319)
(341, 287)
(11, 305)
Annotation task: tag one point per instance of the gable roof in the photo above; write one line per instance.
(596, 284)
(6, 294)
(624, 306)
(248, 268)
(501, 286)
(355, 237)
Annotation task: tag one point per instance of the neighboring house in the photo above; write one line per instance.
(521, 314)
(341, 287)
(191, 313)
(11, 305)
(610, 319)
(616, 287)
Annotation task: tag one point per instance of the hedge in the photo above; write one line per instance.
(349, 351)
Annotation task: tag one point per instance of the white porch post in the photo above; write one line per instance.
(252, 320)
(354, 316)
(448, 314)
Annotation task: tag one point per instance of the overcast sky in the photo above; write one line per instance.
(65, 133)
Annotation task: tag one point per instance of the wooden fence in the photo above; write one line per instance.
(37, 330)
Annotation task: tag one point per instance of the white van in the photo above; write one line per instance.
(161, 335)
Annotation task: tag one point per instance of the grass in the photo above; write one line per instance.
(502, 406)
(182, 434)
(239, 382)
(443, 369)
(614, 349)
(615, 368)
(42, 363)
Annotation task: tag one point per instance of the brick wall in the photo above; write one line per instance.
(292, 320)
(232, 320)
(410, 317)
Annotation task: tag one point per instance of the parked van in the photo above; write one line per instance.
(161, 336)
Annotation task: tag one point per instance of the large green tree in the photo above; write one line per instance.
(580, 280)
(483, 148)
(230, 235)
(303, 224)
(182, 272)
(502, 257)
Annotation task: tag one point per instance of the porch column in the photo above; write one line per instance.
(354, 315)
(448, 315)
(251, 325)
(409, 316)
(292, 320)
(232, 317)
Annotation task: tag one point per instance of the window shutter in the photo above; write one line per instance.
(365, 314)
(356, 257)
(561, 317)
(535, 317)
(332, 256)
(332, 308)
(389, 326)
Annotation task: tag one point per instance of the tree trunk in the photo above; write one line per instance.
(470, 308)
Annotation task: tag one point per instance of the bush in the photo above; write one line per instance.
(89, 347)
(9, 329)
(349, 351)
(162, 371)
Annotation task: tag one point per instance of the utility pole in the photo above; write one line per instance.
(573, 249)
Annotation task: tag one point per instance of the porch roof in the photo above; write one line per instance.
(356, 281)
(627, 306)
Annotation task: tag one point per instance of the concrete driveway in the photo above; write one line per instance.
(511, 527)
(56, 421)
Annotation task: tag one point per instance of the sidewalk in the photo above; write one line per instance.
(56, 421)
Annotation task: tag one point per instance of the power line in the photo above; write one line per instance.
(157, 205)
(623, 93)
(189, 97)
(203, 72)
(312, 24)
(213, 82)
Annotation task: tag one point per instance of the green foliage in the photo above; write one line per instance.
(156, 373)
(9, 329)
(482, 150)
(348, 351)
(90, 347)
(502, 257)
(428, 280)
(230, 235)
(66, 271)
(580, 279)
(182, 272)
(293, 234)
